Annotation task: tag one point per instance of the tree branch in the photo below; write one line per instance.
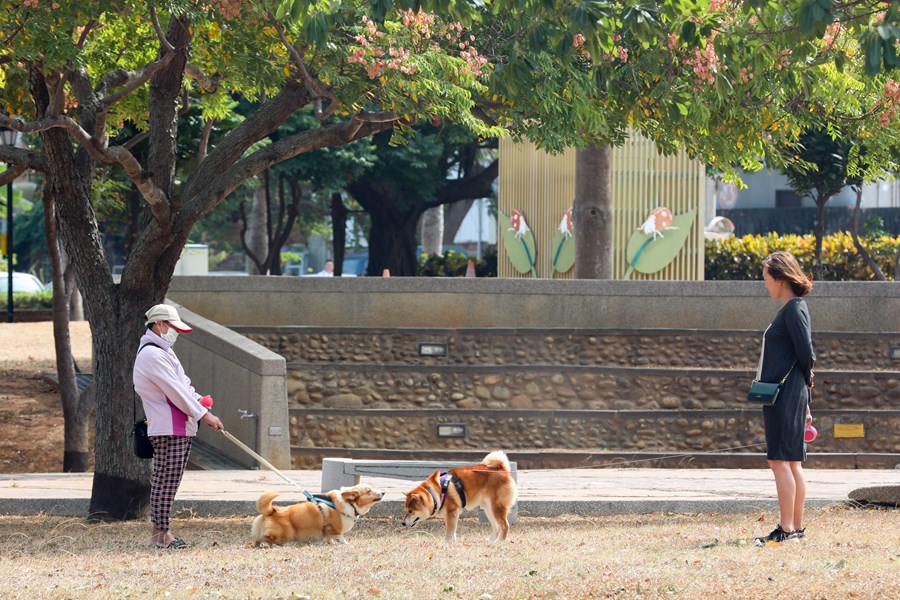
(207, 83)
(10, 174)
(167, 46)
(206, 197)
(315, 86)
(155, 197)
(204, 140)
(131, 80)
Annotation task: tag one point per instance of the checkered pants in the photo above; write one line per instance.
(170, 456)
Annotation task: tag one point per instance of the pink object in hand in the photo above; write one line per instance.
(206, 401)
(810, 433)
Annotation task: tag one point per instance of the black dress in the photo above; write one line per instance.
(787, 342)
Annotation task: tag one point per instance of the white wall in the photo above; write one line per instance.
(762, 186)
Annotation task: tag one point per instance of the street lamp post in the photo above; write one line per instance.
(8, 138)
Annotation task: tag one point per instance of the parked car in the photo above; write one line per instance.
(22, 282)
(355, 264)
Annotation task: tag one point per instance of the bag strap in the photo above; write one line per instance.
(133, 399)
(788, 373)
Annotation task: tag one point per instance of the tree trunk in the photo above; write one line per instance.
(338, 232)
(392, 242)
(592, 214)
(820, 235)
(867, 258)
(433, 231)
(257, 223)
(76, 305)
(453, 217)
(76, 417)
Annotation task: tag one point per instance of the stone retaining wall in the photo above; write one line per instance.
(665, 347)
(574, 388)
(688, 432)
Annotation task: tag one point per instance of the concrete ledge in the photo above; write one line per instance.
(460, 302)
(247, 382)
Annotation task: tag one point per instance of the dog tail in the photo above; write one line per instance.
(264, 503)
(496, 460)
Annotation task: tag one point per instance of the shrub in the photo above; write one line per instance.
(454, 264)
(36, 300)
(741, 258)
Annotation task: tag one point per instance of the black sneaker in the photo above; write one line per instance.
(778, 535)
(798, 534)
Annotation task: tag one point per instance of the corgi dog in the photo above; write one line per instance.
(489, 485)
(325, 517)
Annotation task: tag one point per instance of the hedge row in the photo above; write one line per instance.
(29, 300)
(740, 258)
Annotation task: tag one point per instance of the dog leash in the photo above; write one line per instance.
(263, 461)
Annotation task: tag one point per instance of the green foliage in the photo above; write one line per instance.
(29, 301)
(740, 258)
(454, 264)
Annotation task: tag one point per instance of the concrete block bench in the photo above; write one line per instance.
(345, 472)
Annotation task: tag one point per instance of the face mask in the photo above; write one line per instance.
(170, 336)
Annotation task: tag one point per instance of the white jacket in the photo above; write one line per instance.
(170, 403)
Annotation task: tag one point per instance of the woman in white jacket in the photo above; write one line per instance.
(173, 410)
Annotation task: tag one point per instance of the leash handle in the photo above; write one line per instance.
(261, 460)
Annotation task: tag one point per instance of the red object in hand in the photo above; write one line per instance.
(810, 433)
(206, 401)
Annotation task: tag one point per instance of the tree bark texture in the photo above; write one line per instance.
(593, 214)
(76, 416)
(257, 239)
(338, 231)
(433, 231)
(454, 214)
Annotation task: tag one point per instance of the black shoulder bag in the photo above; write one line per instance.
(766, 394)
(142, 446)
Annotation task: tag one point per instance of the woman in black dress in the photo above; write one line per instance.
(787, 350)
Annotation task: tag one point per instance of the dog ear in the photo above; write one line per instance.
(350, 495)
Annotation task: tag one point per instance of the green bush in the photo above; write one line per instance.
(454, 264)
(36, 300)
(740, 258)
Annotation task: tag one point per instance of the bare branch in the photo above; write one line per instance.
(136, 140)
(318, 90)
(352, 127)
(56, 106)
(247, 250)
(207, 83)
(204, 140)
(155, 197)
(159, 32)
(131, 80)
(203, 197)
(11, 173)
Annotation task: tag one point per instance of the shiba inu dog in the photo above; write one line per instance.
(489, 485)
(325, 517)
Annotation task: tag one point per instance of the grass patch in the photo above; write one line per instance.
(849, 553)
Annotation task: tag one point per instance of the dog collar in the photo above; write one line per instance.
(434, 500)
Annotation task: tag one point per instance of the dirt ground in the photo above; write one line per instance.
(31, 420)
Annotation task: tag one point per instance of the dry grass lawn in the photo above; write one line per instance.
(851, 553)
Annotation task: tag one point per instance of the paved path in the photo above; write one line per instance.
(541, 492)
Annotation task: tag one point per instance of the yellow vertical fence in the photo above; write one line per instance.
(542, 186)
